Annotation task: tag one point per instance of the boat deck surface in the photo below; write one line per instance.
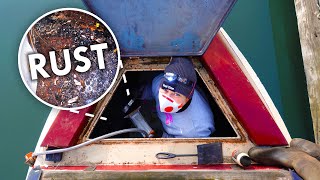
(165, 174)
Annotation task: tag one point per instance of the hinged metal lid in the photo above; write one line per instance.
(162, 28)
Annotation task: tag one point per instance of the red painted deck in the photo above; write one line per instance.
(66, 128)
(241, 96)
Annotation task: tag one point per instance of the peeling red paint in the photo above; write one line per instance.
(243, 99)
(66, 128)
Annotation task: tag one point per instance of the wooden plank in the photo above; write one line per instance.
(308, 15)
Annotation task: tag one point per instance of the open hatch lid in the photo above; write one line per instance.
(162, 28)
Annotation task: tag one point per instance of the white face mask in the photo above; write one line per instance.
(167, 104)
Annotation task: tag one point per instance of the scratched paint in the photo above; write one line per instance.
(162, 28)
(189, 41)
(131, 41)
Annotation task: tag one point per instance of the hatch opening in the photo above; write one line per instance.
(135, 80)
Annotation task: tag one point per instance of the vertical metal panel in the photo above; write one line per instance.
(244, 100)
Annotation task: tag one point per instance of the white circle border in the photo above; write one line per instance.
(110, 31)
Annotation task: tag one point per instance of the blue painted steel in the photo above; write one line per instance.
(162, 28)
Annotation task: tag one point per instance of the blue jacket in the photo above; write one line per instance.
(195, 121)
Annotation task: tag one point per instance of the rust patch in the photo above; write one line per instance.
(67, 30)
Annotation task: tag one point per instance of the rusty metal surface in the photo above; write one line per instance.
(67, 30)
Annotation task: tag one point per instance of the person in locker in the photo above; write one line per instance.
(183, 111)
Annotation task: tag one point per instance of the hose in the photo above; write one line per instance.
(305, 165)
(145, 134)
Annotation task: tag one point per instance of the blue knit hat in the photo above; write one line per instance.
(184, 69)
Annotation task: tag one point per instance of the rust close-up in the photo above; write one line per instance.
(68, 30)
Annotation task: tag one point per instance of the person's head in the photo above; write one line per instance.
(177, 85)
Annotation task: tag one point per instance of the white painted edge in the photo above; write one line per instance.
(26, 49)
(124, 78)
(255, 82)
(89, 114)
(51, 117)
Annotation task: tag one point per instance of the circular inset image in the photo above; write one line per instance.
(69, 58)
